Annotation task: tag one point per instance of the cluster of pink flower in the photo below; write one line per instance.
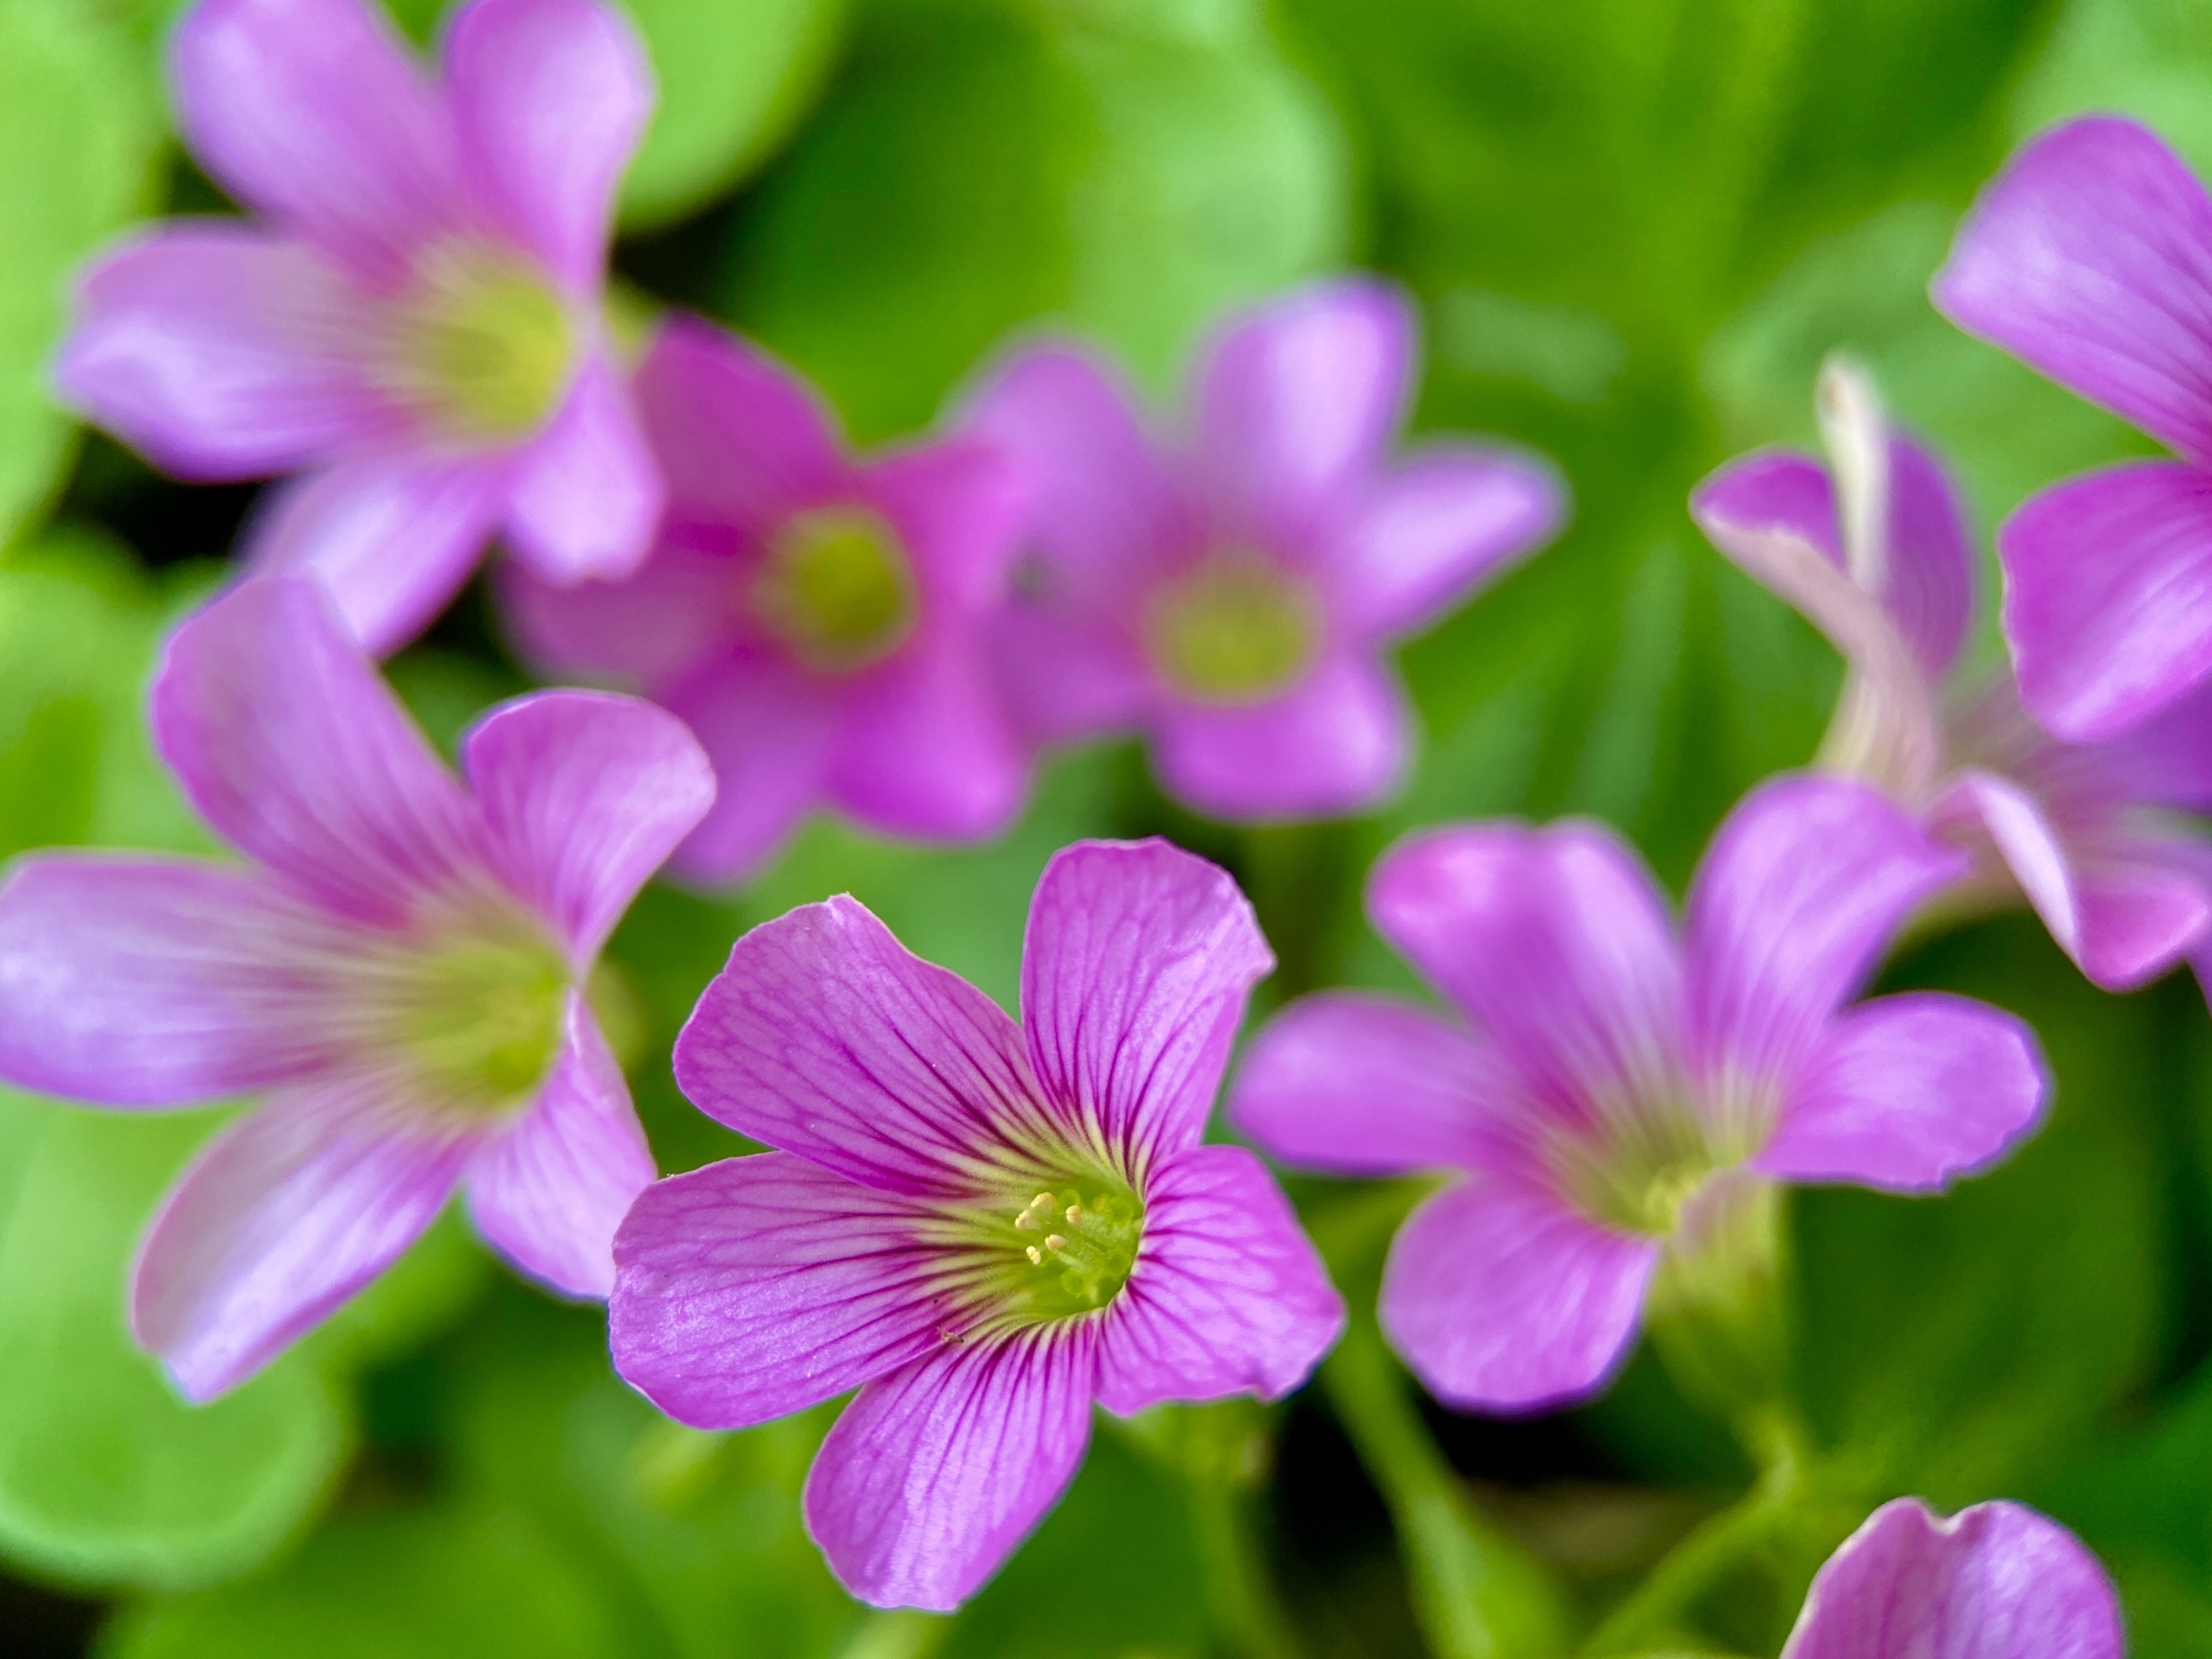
(985, 1226)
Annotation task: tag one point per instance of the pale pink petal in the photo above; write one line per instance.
(293, 748)
(2090, 258)
(1928, 587)
(1449, 518)
(1136, 970)
(648, 629)
(827, 1037)
(767, 727)
(585, 795)
(961, 508)
(288, 1212)
(1067, 675)
(218, 352)
(933, 1475)
(1227, 1295)
(549, 98)
(391, 535)
(587, 492)
(1501, 1299)
(759, 1286)
(1357, 1083)
(551, 1189)
(1336, 743)
(1907, 1093)
(925, 749)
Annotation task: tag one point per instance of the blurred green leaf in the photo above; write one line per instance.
(2149, 58)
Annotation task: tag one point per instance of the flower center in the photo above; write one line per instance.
(1076, 1248)
(1236, 628)
(837, 587)
(1640, 1176)
(480, 1021)
(486, 344)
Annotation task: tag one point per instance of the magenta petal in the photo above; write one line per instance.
(1908, 1092)
(221, 353)
(2108, 596)
(1068, 676)
(1448, 519)
(1775, 490)
(1227, 1295)
(1501, 1299)
(1929, 586)
(390, 536)
(1136, 970)
(924, 747)
(585, 795)
(285, 1214)
(768, 726)
(313, 111)
(762, 1286)
(146, 981)
(588, 493)
(549, 98)
(647, 629)
(1996, 1581)
(293, 748)
(1335, 743)
(1797, 896)
(961, 508)
(1355, 1082)
(2090, 258)
(827, 1037)
(1297, 400)
(549, 1192)
(1555, 940)
(932, 1476)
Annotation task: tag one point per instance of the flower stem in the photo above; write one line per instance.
(1240, 1590)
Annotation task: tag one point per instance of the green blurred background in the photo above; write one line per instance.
(1634, 227)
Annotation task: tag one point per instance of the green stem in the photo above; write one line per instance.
(1240, 1590)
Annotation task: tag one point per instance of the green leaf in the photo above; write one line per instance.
(2149, 58)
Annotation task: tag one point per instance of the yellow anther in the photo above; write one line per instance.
(1054, 1242)
(1042, 1203)
(1075, 1215)
(1027, 1222)
(1037, 1256)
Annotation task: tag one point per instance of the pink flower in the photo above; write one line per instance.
(415, 322)
(812, 616)
(980, 1225)
(1626, 1101)
(1232, 593)
(398, 969)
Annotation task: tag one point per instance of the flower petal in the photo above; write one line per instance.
(1136, 970)
(767, 727)
(1996, 1579)
(293, 748)
(1558, 944)
(1501, 1299)
(1797, 896)
(151, 981)
(2108, 596)
(551, 1191)
(1449, 518)
(549, 98)
(2090, 258)
(313, 112)
(762, 1286)
(961, 508)
(585, 795)
(391, 535)
(588, 494)
(284, 1216)
(1068, 674)
(932, 1476)
(1355, 1082)
(1227, 1295)
(1908, 1092)
(655, 624)
(1297, 400)
(1338, 742)
(1929, 579)
(924, 747)
(218, 352)
(825, 1036)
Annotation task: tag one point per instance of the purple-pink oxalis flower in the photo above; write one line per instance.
(413, 321)
(1872, 549)
(812, 616)
(2090, 258)
(1994, 1582)
(1625, 1102)
(397, 970)
(980, 1225)
(1232, 591)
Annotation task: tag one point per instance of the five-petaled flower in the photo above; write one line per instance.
(980, 1225)
(415, 322)
(1873, 550)
(399, 970)
(1627, 1102)
(1232, 595)
(813, 617)
(1996, 1579)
